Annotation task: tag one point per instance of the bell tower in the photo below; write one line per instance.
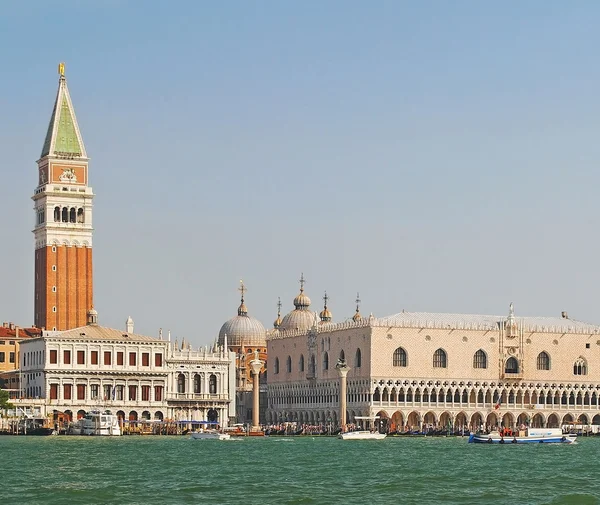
(63, 222)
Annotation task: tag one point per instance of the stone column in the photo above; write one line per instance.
(255, 366)
(342, 369)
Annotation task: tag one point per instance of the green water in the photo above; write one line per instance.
(303, 470)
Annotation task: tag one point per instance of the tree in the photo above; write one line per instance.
(4, 403)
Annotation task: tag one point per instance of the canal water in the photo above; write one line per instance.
(64, 470)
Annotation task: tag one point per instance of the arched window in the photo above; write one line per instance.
(288, 364)
(301, 363)
(313, 365)
(276, 366)
(212, 384)
(80, 215)
(197, 383)
(342, 355)
(440, 360)
(326, 361)
(480, 359)
(543, 361)
(399, 358)
(56, 214)
(72, 215)
(358, 359)
(512, 366)
(580, 367)
(181, 383)
(65, 215)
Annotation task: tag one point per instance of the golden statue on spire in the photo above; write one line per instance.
(61, 69)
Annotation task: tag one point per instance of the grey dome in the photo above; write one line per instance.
(243, 330)
(298, 319)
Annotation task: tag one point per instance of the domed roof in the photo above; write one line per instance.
(298, 319)
(301, 318)
(243, 330)
(325, 314)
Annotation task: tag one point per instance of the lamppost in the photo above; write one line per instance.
(255, 367)
(342, 369)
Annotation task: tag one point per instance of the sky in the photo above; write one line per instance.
(432, 156)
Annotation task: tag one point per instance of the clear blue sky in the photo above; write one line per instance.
(434, 156)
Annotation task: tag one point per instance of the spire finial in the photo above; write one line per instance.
(357, 316)
(302, 281)
(277, 322)
(242, 310)
(325, 298)
(61, 69)
(242, 289)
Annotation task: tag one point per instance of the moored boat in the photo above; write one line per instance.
(527, 436)
(361, 435)
(99, 423)
(203, 434)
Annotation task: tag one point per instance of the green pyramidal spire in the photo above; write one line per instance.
(63, 138)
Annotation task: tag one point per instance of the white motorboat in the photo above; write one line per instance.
(526, 436)
(370, 433)
(209, 435)
(100, 423)
(362, 435)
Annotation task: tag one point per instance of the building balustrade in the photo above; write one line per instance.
(196, 396)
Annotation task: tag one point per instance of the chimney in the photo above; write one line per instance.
(17, 332)
(564, 315)
(11, 326)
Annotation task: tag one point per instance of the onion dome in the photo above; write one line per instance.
(243, 330)
(277, 322)
(301, 318)
(357, 317)
(325, 314)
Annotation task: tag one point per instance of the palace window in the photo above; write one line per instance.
(288, 364)
(181, 383)
(81, 357)
(358, 359)
(158, 360)
(67, 391)
(543, 361)
(120, 358)
(132, 393)
(400, 358)
(512, 366)
(145, 393)
(53, 356)
(145, 359)
(2, 357)
(212, 384)
(81, 391)
(94, 357)
(301, 363)
(580, 367)
(197, 384)
(158, 393)
(480, 359)
(326, 361)
(440, 359)
(276, 366)
(67, 357)
(107, 357)
(119, 392)
(132, 359)
(94, 391)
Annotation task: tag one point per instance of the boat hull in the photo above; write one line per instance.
(361, 435)
(197, 435)
(553, 439)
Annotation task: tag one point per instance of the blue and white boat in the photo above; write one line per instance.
(526, 436)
